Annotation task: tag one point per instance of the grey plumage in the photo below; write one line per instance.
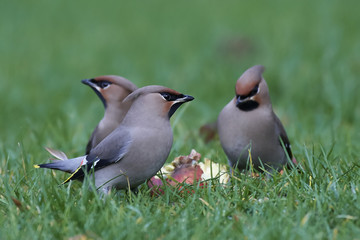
(112, 90)
(137, 148)
(248, 123)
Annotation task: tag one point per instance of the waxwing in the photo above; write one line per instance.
(247, 124)
(112, 90)
(137, 149)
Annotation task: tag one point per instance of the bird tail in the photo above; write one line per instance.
(67, 165)
(57, 153)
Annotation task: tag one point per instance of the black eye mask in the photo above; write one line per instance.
(101, 84)
(171, 97)
(252, 93)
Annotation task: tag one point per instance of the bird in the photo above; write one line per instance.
(112, 90)
(250, 133)
(137, 149)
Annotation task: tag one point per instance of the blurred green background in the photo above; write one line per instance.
(311, 51)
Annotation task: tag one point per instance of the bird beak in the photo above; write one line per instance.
(240, 100)
(87, 82)
(91, 84)
(185, 98)
(96, 90)
(178, 102)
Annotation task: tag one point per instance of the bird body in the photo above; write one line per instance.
(112, 90)
(137, 149)
(142, 157)
(248, 124)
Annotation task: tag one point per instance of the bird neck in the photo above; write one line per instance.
(141, 113)
(115, 112)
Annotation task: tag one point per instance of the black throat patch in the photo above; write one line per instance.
(100, 96)
(247, 105)
(173, 108)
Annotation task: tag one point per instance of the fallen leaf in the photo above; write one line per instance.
(17, 202)
(208, 131)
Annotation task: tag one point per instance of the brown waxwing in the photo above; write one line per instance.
(247, 124)
(112, 90)
(137, 149)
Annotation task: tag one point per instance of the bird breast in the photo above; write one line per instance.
(255, 130)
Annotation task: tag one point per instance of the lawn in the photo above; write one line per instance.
(311, 51)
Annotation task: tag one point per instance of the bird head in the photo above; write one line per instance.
(111, 89)
(159, 100)
(251, 90)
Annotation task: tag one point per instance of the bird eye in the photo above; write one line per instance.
(103, 84)
(166, 96)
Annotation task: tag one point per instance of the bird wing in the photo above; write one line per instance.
(284, 140)
(89, 146)
(111, 150)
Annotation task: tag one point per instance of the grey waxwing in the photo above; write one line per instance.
(137, 149)
(250, 132)
(112, 90)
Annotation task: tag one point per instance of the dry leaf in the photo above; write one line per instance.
(208, 131)
(17, 202)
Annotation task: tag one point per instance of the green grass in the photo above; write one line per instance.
(311, 51)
